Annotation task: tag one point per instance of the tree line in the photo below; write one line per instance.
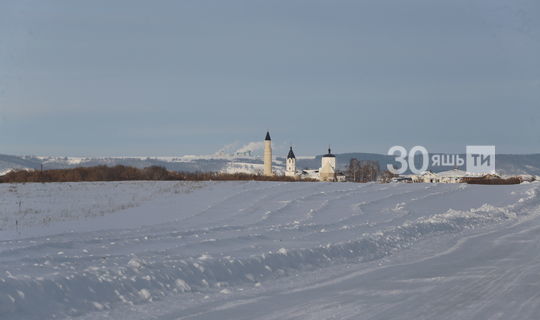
(126, 173)
(358, 171)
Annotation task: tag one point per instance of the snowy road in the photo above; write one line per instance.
(493, 276)
(256, 250)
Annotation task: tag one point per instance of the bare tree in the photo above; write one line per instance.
(353, 170)
(362, 171)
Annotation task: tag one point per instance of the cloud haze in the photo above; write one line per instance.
(187, 77)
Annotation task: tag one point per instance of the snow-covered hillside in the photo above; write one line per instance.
(269, 250)
(240, 162)
(212, 163)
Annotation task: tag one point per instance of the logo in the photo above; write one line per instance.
(481, 159)
(478, 160)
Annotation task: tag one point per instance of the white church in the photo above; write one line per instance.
(327, 171)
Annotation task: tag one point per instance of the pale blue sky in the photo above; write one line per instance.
(97, 78)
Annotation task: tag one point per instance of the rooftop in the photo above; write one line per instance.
(329, 154)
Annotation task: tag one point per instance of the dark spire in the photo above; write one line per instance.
(291, 154)
(329, 154)
(267, 136)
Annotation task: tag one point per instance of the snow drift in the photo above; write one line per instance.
(76, 248)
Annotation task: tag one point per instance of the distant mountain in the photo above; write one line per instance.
(506, 163)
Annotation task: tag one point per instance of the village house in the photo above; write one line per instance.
(426, 177)
(449, 176)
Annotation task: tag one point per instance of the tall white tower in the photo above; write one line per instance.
(327, 172)
(290, 167)
(268, 155)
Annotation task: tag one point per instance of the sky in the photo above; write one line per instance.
(168, 78)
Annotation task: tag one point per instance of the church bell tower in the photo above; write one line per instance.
(290, 167)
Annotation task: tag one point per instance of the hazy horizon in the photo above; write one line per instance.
(279, 151)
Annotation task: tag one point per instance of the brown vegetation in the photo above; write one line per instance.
(491, 180)
(123, 173)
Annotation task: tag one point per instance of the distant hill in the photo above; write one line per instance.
(506, 163)
(8, 162)
(178, 164)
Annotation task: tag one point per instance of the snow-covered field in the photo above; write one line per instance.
(268, 250)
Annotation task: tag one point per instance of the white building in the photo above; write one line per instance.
(290, 165)
(450, 176)
(327, 172)
(426, 177)
(310, 174)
